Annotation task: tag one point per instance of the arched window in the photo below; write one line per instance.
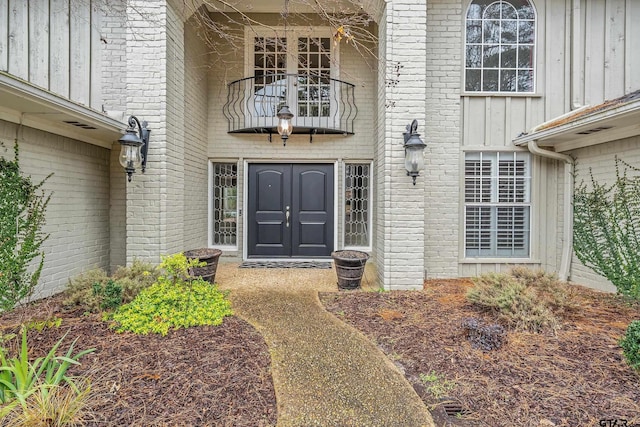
(500, 46)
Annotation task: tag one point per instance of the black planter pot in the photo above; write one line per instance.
(349, 268)
(209, 256)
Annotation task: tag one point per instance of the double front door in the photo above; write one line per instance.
(290, 210)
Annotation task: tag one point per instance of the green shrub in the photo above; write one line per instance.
(110, 294)
(523, 299)
(607, 226)
(175, 301)
(630, 344)
(92, 291)
(22, 215)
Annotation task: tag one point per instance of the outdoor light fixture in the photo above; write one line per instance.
(133, 148)
(413, 148)
(284, 123)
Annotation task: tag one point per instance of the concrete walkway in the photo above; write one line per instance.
(325, 373)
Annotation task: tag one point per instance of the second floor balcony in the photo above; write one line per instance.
(320, 105)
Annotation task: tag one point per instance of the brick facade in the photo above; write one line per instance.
(154, 64)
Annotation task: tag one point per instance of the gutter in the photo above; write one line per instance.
(567, 244)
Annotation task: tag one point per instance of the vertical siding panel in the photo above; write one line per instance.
(517, 120)
(633, 45)
(508, 117)
(476, 121)
(496, 118)
(556, 64)
(96, 63)
(4, 35)
(615, 49)
(488, 124)
(59, 41)
(80, 51)
(19, 38)
(39, 43)
(594, 49)
(466, 101)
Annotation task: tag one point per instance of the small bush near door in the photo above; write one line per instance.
(94, 291)
(174, 301)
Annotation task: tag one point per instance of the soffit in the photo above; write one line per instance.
(22, 102)
(612, 120)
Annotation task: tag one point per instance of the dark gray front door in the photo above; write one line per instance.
(290, 208)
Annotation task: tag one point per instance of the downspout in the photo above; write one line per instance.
(567, 245)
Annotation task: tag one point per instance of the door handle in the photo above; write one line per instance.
(286, 215)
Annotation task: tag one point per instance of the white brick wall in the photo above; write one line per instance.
(148, 195)
(195, 144)
(442, 134)
(401, 228)
(78, 213)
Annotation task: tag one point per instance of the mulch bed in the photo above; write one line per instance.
(576, 377)
(203, 376)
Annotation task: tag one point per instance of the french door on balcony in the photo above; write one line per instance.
(290, 210)
(294, 69)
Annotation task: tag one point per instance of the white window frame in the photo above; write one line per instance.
(343, 205)
(493, 253)
(292, 34)
(499, 69)
(211, 203)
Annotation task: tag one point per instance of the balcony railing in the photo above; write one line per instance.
(319, 104)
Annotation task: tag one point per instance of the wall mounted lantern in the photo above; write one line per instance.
(284, 123)
(413, 148)
(134, 148)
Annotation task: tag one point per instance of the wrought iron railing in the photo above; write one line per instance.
(320, 104)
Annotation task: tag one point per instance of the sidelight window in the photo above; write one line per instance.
(224, 200)
(357, 198)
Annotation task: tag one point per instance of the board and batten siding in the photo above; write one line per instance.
(605, 67)
(55, 45)
(585, 61)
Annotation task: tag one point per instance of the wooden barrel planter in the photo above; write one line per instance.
(349, 268)
(210, 257)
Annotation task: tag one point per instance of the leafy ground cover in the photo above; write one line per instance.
(200, 376)
(575, 376)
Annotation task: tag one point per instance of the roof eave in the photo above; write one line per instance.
(24, 103)
(624, 121)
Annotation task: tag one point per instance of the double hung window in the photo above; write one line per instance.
(497, 196)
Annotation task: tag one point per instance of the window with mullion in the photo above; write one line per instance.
(269, 67)
(499, 46)
(497, 204)
(275, 59)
